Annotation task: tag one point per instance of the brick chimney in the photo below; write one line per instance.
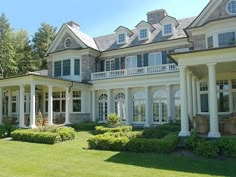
(73, 25)
(155, 16)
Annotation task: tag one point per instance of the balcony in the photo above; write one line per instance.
(167, 68)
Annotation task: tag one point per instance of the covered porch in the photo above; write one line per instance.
(30, 99)
(208, 89)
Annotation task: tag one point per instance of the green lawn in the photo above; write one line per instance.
(72, 159)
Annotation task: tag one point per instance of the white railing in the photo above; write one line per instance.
(135, 71)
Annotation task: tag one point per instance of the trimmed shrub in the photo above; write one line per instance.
(207, 148)
(103, 129)
(166, 144)
(66, 133)
(3, 131)
(85, 126)
(227, 146)
(6, 130)
(192, 141)
(108, 142)
(129, 135)
(36, 137)
(153, 132)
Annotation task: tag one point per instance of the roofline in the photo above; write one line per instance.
(125, 28)
(198, 51)
(170, 17)
(147, 23)
(73, 50)
(42, 76)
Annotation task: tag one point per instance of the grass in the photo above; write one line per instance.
(72, 159)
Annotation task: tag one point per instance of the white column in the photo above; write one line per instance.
(212, 97)
(184, 103)
(9, 103)
(67, 116)
(198, 97)
(127, 106)
(1, 101)
(147, 107)
(109, 101)
(50, 106)
(189, 91)
(22, 106)
(94, 106)
(169, 102)
(32, 108)
(194, 92)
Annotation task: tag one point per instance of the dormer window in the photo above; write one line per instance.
(231, 7)
(123, 34)
(168, 29)
(121, 38)
(143, 34)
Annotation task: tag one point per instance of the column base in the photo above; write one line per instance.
(22, 126)
(32, 126)
(147, 125)
(184, 133)
(214, 135)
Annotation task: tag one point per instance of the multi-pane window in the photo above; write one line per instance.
(168, 29)
(120, 105)
(110, 65)
(59, 102)
(131, 62)
(155, 59)
(231, 7)
(77, 67)
(57, 68)
(102, 107)
(210, 42)
(204, 97)
(177, 106)
(66, 67)
(121, 38)
(139, 107)
(13, 104)
(143, 34)
(223, 95)
(226, 39)
(76, 96)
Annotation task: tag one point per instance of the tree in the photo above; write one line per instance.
(23, 57)
(7, 50)
(42, 39)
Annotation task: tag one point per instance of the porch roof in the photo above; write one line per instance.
(40, 80)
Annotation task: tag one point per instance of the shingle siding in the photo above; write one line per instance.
(88, 67)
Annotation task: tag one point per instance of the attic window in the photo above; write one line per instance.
(67, 42)
(121, 38)
(231, 7)
(143, 34)
(167, 29)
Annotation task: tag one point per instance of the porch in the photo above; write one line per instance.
(207, 84)
(31, 100)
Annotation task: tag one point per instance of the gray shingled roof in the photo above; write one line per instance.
(86, 39)
(108, 42)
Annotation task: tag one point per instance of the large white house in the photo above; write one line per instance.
(163, 70)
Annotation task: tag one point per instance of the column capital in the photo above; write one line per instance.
(189, 72)
(50, 86)
(211, 64)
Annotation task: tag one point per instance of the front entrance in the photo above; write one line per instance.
(102, 107)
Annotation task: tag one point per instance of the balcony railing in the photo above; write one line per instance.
(135, 71)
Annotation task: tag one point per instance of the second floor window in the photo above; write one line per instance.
(66, 67)
(110, 65)
(77, 67)
(210, 42)
(57, 68)
(131, 62)
(143, 34)
(155, 59)
(226, 39)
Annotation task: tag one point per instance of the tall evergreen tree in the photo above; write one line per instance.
(41, 42)
(7, 50)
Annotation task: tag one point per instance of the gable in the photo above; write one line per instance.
(61, 44)
(216, 9)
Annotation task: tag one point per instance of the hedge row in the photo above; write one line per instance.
(135, 144)
(103, 129)
(35, 136)
(85, 126)
(225, 146)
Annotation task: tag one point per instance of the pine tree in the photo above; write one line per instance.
(41, 41)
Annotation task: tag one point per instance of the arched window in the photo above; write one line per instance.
(120, 105)
(177, 106)
(159, 102)
(139, 107)
(102, 107)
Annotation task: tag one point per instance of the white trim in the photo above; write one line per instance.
(118, 38)
(142, 38)
(227, 10)
(68, 38)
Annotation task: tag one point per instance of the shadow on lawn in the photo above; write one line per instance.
(176, 163)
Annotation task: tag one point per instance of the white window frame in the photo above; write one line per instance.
(61, 98)
(110, 64)
(134, 57)
(227, 5)
(118, 38)
(156, 59)
(77, 98)
(172, 29)
(143, 38)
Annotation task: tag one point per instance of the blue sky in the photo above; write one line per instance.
(95, 17)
